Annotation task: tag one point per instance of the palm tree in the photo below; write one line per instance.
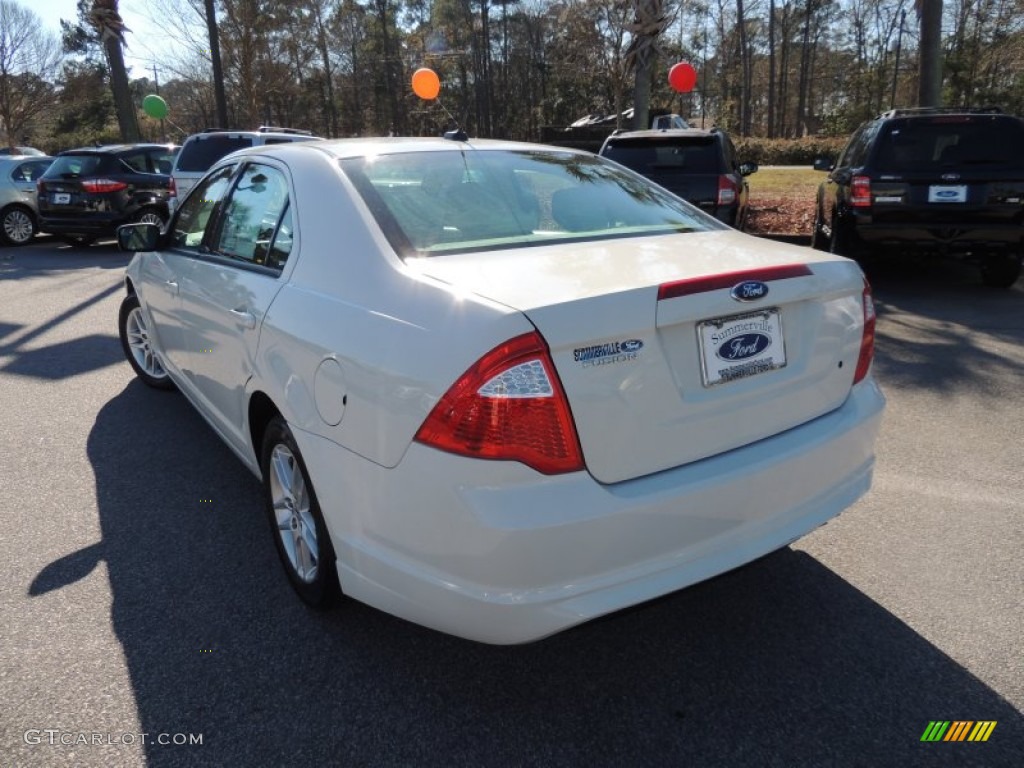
(649, 22)
(106, 20)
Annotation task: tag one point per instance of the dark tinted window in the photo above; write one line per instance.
(950, 141)
(689, 155)
(72, 166)
(856, 150)
(200, 153)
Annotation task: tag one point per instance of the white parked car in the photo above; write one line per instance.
(500, 389)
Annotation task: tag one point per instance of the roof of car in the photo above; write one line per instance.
(115, 148)
(358, 147)
(661, 133)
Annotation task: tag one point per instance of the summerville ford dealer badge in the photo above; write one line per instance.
(744, 345)
(607, 354)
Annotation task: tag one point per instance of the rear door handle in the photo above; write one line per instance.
(172, 286)
(245, 318)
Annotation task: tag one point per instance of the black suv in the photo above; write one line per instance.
(699, 166)
(88, 193)
(929, 181)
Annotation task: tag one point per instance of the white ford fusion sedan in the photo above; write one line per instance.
(500, 389)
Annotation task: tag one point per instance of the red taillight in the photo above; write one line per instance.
(99, 186)
(860, 191)
(867, 341)
(172, 187)
(727, 190)
(509, 405)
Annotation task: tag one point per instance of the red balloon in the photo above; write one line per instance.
(682, 77)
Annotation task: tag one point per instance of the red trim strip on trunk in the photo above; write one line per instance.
(729, 279)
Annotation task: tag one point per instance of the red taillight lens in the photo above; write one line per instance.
(509, 405)
(867, 341)
(98, 186)
(727, 190)
(172, 187)
(860, 191)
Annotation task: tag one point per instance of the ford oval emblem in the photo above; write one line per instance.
(749, 290)
(633, 345)
(742, 347)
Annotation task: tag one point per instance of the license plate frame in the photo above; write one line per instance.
(61, 198)
(947, 193)
(740, 346)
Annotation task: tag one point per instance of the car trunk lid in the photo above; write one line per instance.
(660, 363)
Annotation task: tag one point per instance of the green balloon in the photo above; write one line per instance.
(154, 106)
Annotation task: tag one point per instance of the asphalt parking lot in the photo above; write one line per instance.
(141, 594)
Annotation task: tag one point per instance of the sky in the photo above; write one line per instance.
(144, 41)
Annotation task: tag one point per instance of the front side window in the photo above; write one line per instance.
(252, 217)
(431, 203)
(196, 212)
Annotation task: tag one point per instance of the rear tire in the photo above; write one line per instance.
(1001, 270)
(300, 534)
(17, 225)
(150, 216)
(818, 241)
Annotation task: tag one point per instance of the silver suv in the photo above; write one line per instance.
(201, 150)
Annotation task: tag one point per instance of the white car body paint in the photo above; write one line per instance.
(682, 481)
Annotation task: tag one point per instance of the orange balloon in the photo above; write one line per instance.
(425, 83)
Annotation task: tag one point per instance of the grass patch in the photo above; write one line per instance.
(785, 183)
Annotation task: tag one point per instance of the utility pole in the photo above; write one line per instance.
(896, 67)
(156, 87)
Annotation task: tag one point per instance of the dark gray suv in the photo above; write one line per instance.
(699, 166)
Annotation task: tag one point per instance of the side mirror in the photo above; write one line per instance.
(824, 164)
(747, 168)
(138, 237)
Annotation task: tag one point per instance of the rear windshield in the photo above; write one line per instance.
(950, 141)
(430, 203)
(678, 155)
(200, 153)
(72, 166)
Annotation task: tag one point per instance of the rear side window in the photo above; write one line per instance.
(690, 155)
(137, 162)
(29, 171)
(950, 141)
(200, 153)
(251, 217)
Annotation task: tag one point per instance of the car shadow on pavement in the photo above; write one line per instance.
(939, 328)
(779, 663)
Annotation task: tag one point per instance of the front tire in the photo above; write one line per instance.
(17, 225)
(138, 345)
(818, 241)
(1001, 270)
(300, 534)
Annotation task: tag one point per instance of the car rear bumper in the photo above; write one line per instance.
(80, 225)
(494, 552)
(947, 237)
